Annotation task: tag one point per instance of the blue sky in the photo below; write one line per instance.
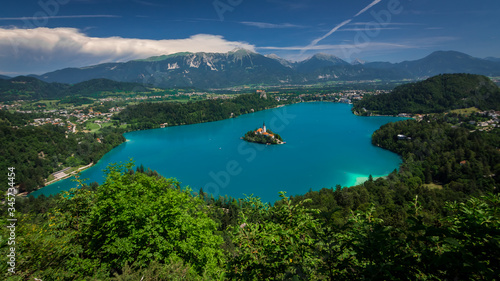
(40, 36)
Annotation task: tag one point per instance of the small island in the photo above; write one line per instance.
(263, 136)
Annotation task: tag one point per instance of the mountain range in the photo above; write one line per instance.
(243, 67)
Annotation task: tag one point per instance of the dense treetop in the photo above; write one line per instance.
(151, 115)
(437, 94)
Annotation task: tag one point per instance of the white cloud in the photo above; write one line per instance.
(64, 17)
(45, 49)
(370, 28)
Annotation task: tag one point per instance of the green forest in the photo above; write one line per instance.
(30, 88)
(151, 115)
(434, 95)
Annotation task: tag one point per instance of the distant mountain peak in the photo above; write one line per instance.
(164, 57)
(273, 56)
(492, 59)
(326, 57)
(236, 51)
(320, 61)
(453, 54)
(358, 62)
(241, 51)
(281, 60)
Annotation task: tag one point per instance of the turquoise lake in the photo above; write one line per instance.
(325, 145)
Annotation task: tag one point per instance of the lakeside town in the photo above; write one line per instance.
(94, 116)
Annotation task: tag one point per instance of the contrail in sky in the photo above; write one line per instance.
(368, 7)
(316, 41)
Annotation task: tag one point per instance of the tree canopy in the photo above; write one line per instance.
(434, 95)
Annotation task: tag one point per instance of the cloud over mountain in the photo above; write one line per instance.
(43, 49)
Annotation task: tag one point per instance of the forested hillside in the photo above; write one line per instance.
(30, 88)
(436, 94)
(36, 152)
(151, 115)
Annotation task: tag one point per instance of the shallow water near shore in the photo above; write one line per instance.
(325, 145)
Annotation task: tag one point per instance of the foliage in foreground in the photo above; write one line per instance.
(141, 226)
(132, 219)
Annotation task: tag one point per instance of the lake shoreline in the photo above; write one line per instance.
(81, 169)
(146, 140)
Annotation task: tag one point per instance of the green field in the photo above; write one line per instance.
(93, 127)
(465, 111)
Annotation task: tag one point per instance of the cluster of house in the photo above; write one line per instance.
(489, 123)
(494, 119)
(192, 94)
(116, 109)
(349, 96)
(49, 120)
(61, 117)
(221, 97)
(166, 96)
(9, 106)
(278, 98)
(344, 97)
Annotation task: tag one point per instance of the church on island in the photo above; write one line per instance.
(263, 131)
(264, 136)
